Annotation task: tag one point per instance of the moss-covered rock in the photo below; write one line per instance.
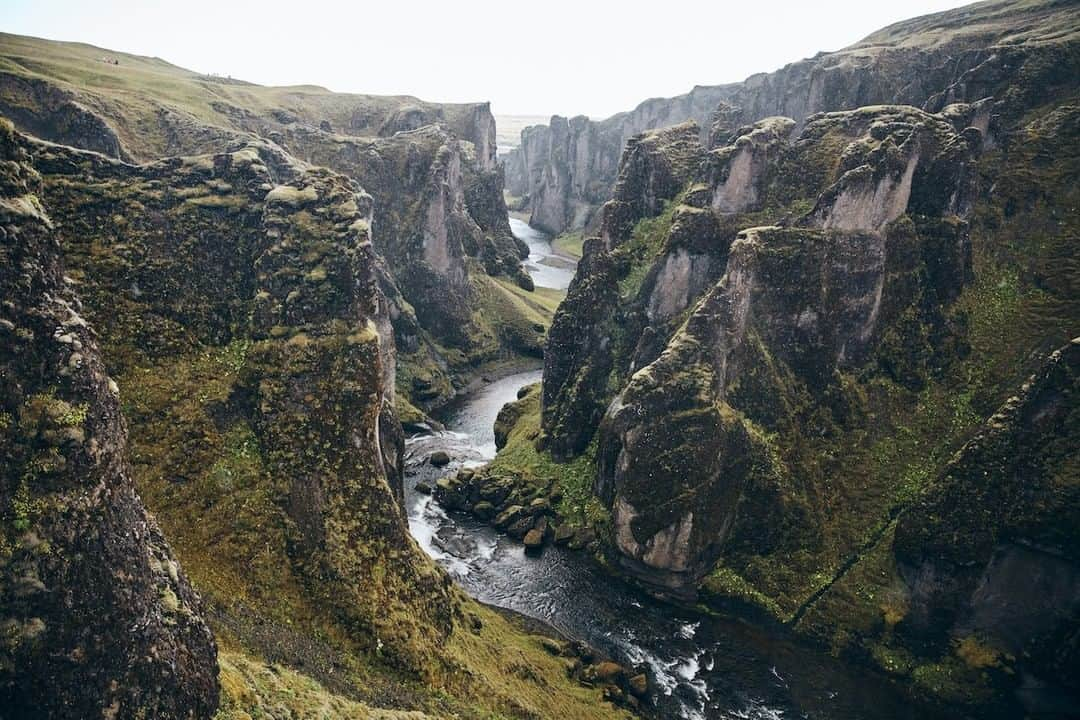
(764, 430)
(95, 612)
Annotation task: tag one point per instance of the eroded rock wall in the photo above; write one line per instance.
(98, 617)
(960, 55)
(286, 446)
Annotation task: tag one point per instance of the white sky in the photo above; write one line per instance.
(552, 56)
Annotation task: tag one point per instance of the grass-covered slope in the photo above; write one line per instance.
(154, 107)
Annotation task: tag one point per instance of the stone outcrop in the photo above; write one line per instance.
(302, 406)
(581, 341)
(808, 302)
(782, 338)
(439, 216)
(97, 618)
(566, 171)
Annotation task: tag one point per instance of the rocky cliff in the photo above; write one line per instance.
(239, 306)
(439, 211)
(566, 170)
(98, 618)
(780, 337)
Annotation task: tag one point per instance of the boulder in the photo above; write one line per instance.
(439, 458)
(509, 516)
(534, 540)
(563, 534)
(520, 527)
(540, 506)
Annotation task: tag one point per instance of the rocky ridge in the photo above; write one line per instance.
(98, 617)
(439, 211)
(566, 170)
(780, 336)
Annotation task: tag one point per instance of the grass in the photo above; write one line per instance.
(254, 690)
(641, 251)
(570, 244)
(131, 93)
(520, 458)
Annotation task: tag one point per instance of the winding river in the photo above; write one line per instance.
(701, 667)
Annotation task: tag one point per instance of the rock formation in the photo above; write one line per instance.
(240, 307)
(567, 169)
(98, 618)
(288, 286)
(780, 336)
(439, 213)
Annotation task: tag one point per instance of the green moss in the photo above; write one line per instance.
(521, 459)
(636, 256)
(570, 244)
(952, 681)
(292, 196)
(723, 582)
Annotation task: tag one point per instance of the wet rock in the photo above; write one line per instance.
(449, 492)
(639, 685)
(439, 458)
(534, 541)
(519, 528)
(423, 488)
(483, 510)
(496, 489)
(509, 516)
(563, 534)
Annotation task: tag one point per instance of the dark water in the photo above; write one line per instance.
(701, 667)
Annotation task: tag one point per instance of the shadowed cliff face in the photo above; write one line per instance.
(566, 170)
(989, 551)
(98, 619)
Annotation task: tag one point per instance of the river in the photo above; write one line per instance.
(701, 667)
(547, 266)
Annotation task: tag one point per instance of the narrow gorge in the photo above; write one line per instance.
(761, 401)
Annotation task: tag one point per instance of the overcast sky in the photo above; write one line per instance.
(552, 56)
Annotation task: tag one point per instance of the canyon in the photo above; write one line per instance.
(752, 402)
